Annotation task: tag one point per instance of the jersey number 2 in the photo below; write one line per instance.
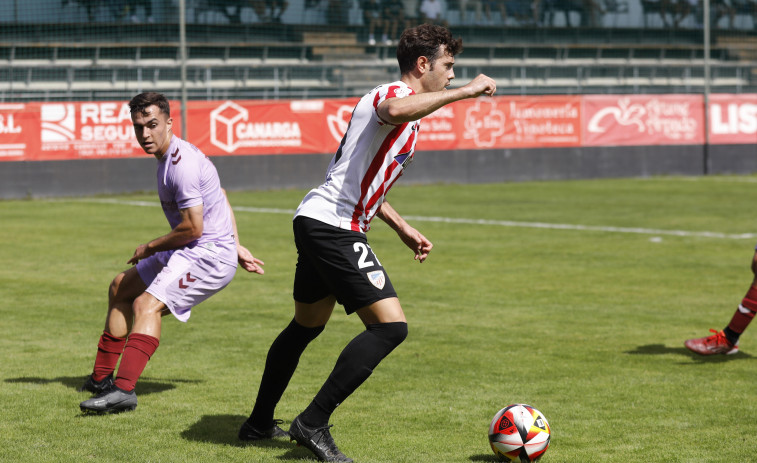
(362, 261)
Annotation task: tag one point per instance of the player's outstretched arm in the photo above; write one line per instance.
(245, 258)
(414, 107)
(412, 238)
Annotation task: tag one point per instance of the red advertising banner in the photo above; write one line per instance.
(58, 131)
(265, 127)
(733, 119)
(439, 130)
(86, 130)
(641, 120)
(15, 124)
(317, 126)
(521, 122)
(503, 122)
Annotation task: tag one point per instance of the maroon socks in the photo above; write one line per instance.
(743, 316)
(137, 353)
(109, 350)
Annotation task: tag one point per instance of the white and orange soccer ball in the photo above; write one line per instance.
(519, 433)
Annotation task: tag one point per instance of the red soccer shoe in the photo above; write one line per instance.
(710, 345)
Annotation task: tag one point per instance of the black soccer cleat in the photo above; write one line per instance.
(250, 433)
(113, 400)
(96, 387)
(317, 440)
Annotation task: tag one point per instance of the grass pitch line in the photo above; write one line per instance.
(598, 228)
(262, 210)
(721, 179)
(496, 223)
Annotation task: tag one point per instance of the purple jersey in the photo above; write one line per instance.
(187, 178)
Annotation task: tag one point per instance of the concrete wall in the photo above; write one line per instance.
(733, 159)
(106, 176)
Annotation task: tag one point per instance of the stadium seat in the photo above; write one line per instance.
(615, 12)
(653, 13)
(323, 61)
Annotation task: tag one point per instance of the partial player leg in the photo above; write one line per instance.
(109, 350)
(283, 358)
(124, 288)
(743, 316)
(143, 340)
(386, 328)
(746, 310)
(142, 343)
(727, 340)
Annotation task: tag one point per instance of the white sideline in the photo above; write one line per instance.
(499, 223)
(723, 179)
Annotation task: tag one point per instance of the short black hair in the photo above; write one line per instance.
(140, 102)
(425, 40)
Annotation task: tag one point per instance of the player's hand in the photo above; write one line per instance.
(481, 85)
(140, 253)
(419, 244)
(248, 262)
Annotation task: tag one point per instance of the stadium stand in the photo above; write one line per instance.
(307, 58)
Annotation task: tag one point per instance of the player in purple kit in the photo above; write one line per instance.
(171, 273)
(335, 262)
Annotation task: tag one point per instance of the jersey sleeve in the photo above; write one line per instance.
(384, 92)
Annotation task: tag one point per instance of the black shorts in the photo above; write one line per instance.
(331, 260)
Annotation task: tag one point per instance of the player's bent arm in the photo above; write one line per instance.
(414, 107)
(189, 229)
(412, 238)
(392, 218)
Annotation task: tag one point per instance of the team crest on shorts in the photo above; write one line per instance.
(377, 278)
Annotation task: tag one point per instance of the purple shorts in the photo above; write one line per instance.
(183, 278)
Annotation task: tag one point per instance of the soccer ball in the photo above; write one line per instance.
(519, 433)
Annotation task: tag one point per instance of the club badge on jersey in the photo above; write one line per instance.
(377, 278)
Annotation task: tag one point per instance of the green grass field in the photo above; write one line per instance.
(585, 322)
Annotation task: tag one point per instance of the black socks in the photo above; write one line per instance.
(282, 360)
(353, 367)
(732, 336)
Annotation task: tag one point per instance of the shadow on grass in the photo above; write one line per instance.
(223, 430)
(484, 457)
(144, 386)
(298, 453)
(661, 349)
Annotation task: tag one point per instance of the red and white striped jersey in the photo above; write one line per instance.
(370, 158)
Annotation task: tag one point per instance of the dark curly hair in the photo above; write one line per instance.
(425, 40)
(140, 102)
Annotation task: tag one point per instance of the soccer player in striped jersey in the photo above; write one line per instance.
(335, 262)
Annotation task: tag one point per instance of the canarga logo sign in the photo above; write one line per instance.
(231, 129)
